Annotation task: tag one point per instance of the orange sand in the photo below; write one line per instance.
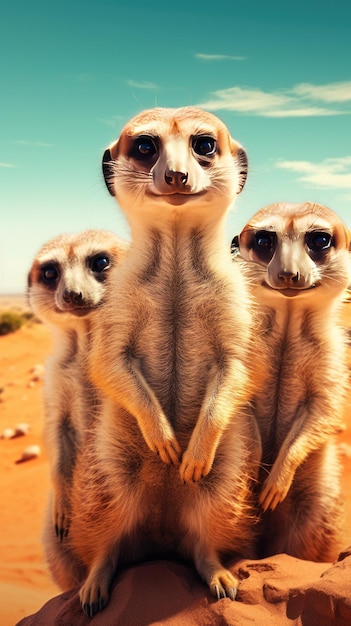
(24, 582)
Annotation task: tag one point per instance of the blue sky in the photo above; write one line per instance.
(73, 73)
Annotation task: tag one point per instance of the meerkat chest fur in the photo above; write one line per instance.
(178, 314)
(305, 349)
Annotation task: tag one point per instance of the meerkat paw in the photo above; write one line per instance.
(224, 585)
(165, 445)
(94, 596)
(169, 451)
(61, 519)
(273, 492)
(192, 470)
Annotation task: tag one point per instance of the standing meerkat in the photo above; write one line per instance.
(299, 270)
(173, 454)
(66, 286)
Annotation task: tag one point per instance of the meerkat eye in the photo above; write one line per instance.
(264, 244)
(49, 274)
(319, 241)
(144, 148)
(100, 263)
(204, 146)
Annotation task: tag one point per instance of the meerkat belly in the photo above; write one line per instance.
(287, 390)
(175, 350)
(179, 374)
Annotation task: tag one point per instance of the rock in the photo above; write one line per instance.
(21, 429)
(37, 373)
(274, 591)
(30, 452)
(8, 433)
(18, 431)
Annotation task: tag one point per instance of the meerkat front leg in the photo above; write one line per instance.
(129, 389)
(63, 461)
(220, 404)
(305, 436)
(60, 508)
(156, 429)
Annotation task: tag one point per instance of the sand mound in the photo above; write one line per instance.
(277, 590)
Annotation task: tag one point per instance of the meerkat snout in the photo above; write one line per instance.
(176, 179)
(72, 297)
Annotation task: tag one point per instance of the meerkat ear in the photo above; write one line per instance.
(29, 279)
(243, 168)
(239, 154)
(234, 246)
(107, 171)
(110, 155)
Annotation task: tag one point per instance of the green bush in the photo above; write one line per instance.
(9, 322)
(28, 316)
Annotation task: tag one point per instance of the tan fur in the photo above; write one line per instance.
(173, 454)
(66, 286)
(300, 287)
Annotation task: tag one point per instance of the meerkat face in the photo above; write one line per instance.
(172, 157)
(299, 248)
(67, 279)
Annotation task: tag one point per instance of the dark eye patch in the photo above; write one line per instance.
(263, 245)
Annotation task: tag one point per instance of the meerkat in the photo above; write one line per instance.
(299, 268)
(66, 287)
(170, 463)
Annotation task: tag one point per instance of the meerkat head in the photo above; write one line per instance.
(68, 276)
(173, 158)
(297, 249)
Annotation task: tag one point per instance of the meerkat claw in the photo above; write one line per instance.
(232, 593)
(61, 532)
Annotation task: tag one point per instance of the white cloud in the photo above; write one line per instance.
(141, 85)
(303, 100)
(329, 173)
(335, 92)
(38, 144)
(302, 112)
(7, 165)
(245, 100)
(218, 57)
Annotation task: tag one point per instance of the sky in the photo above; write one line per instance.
(73, 73)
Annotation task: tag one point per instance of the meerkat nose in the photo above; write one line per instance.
(72, 297)
(289, 277)
(176, 179)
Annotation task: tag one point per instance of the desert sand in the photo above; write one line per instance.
(278, 590)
